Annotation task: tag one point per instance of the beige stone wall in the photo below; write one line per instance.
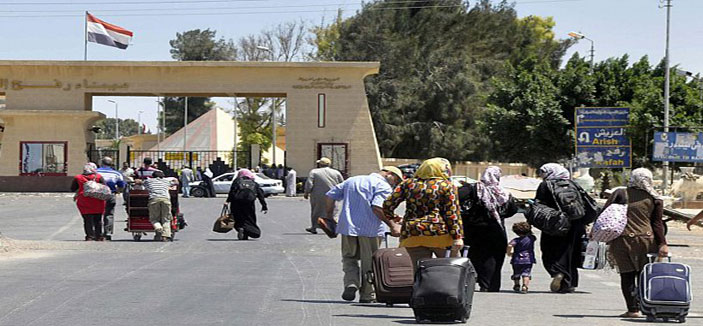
(55, 87)
(472, 169)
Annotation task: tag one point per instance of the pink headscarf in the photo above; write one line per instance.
(244, 173)
(491, 193)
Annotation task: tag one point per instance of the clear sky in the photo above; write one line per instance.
(53, 29)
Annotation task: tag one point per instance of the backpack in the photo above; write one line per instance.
(568, 197)
(245, 191)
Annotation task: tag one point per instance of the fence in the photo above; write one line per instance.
(170, 162)
(473, 169)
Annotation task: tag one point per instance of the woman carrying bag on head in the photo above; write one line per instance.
(91, 209)
(485, 205)
(242, 195)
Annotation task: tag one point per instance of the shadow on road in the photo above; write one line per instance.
(316, 301)
(404, 318)
(300, 233)
(588, 316)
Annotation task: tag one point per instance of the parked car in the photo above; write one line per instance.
(409, 169)
(223, 182)
(458, 180)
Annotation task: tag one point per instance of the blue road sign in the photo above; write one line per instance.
(604, 157)
(678, 147)
(601, 140)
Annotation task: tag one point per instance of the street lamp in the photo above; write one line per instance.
(685, 73)
(667, 80)
(579, 36)
(117, 120)
(273, 112)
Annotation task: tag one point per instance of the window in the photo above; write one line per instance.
(43, 158)
(321, 110)
(338, 153)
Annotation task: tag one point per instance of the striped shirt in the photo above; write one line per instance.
(360, 194)
(113, 178)
(158, 188)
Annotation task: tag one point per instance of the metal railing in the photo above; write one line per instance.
(219, 162)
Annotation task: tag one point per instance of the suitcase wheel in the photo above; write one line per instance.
(389, 304)
(650, 318)
(137, 236)
(682, 319)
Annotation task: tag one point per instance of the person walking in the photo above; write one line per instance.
(432, 220)
(561, 255)
(522, 251)
(159, 205)
(115, 181)
(186, 179)
(242, 194)
(91, 209)
(320, 181)
(485, 205)
(127, 173)
(362, 225)
(291, 182)
(147, 169)
(643, 234)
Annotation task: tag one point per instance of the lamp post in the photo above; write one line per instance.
(273, 112)
(185, 126)
(117, 120)
(579, 36)
(139, 122)
(667, 77)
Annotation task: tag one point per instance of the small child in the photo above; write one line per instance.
(522, 250)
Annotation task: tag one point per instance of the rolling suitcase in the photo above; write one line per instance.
(392, 275)
(665, 290)
(444, 289)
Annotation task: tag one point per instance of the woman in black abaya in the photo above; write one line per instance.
(560, 254)
(242, 194)
(484, 206)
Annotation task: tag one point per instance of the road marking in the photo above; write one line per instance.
(68, 225)
(611, 284)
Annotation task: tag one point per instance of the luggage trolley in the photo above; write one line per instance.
(138, 213)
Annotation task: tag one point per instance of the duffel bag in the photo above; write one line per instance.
(547, 219)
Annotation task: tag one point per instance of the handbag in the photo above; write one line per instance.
(611, 222)
(96, 190)
(224, 223)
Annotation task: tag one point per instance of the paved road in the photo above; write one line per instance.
(287, 277)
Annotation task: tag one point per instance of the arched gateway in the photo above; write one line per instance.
(45, 125)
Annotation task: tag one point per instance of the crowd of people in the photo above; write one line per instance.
(438, 215)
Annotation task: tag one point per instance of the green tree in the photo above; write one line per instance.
(437, 61)
(194, 45)
(128, 127)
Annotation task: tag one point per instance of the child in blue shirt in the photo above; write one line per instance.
(522, 250)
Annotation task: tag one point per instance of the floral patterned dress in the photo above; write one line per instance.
(432, 212)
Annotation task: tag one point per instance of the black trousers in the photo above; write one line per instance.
(628, 285)
(93, 225)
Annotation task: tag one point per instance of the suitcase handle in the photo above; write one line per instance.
(385, 238)
(652, 257)
(464, 252)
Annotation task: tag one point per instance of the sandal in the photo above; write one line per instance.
(524, 289)
(630, 314)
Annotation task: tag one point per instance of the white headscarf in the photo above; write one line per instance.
(90, 168)
(641, 178)
(554, 171)
(491, 193)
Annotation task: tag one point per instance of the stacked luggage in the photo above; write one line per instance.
(665, 290)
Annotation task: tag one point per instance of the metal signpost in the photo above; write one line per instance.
(601, 139)
(678, 147)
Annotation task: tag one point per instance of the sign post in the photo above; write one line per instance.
(601, 138)
(678, 147)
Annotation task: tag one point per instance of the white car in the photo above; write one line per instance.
(223, 182)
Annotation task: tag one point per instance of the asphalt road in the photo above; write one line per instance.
(287, 277)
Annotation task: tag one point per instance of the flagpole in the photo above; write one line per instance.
(85, 37)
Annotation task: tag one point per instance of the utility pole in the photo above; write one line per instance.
(667, 60)
(185, 127)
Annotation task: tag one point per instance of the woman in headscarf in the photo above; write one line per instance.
(561, 255)
(432, 220)
(242, 194)
(91, 209)
(484, 207)
(643, 234)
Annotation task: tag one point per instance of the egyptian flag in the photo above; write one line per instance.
(107, 34)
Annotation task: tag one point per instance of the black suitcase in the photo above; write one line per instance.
(444, 289)
(392, 275)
